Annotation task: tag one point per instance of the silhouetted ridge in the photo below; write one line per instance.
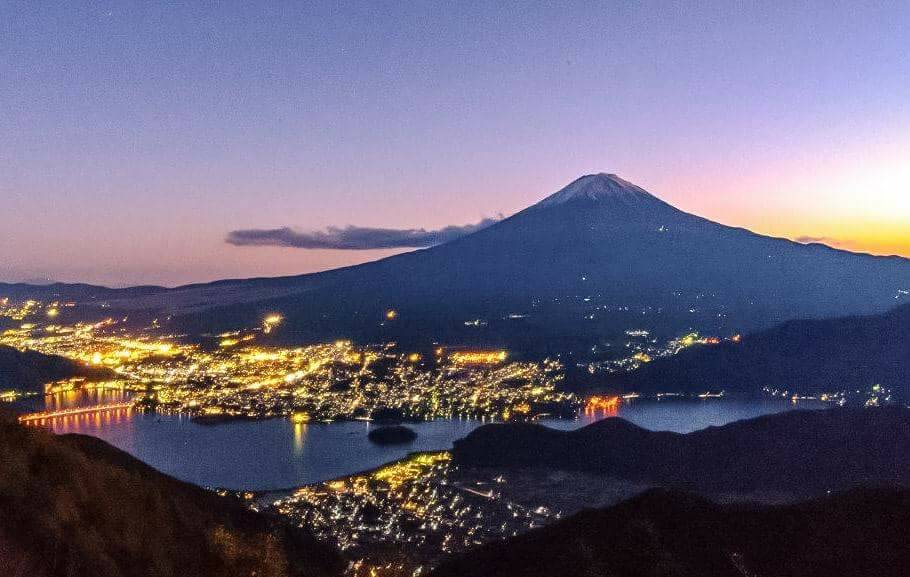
(804, 356)
(30, 370)
(797, 452)
(76, 506)
(669, 533)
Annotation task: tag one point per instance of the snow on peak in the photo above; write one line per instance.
(597, 187)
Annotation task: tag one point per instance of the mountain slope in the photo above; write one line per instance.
(796, 453)
(30, 370)
(805, 356)
(664, 534)
(595, 258)
(76, 506)
(591, 260)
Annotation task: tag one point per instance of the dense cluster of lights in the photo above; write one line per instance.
(597, 403)
(641, 348)
(423, 504)
(478, 357)
(238, 378)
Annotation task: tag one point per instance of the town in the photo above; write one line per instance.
(234, 377)
(401, 518)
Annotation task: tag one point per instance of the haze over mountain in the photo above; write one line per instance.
(597, 257)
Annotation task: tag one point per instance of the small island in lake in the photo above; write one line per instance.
(394, 435)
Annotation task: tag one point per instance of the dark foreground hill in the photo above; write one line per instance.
(74, 506)
(798, 453)
(30, 370)
(672, 534)
(806, 356)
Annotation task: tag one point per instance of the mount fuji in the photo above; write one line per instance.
(569, 273)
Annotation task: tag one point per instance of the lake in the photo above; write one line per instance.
(277, 453)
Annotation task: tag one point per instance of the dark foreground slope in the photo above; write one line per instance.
(808, 356)
(76, 506)
(30, 370)
(663, 534)
(799, 453)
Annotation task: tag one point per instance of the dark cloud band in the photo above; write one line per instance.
(353, 237)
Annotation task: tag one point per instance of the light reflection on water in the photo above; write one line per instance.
(84, 398)
(299, 437)
(277, 453)
(687, 415)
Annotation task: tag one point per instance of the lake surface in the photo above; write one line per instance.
(276, 453)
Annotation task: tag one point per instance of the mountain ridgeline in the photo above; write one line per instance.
(30, 370)
(805, 356)
(794, 454)
(598, 257)
(674, 534)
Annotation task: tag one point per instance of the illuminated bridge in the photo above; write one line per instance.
(93, 409)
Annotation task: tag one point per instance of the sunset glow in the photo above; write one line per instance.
(131, 157)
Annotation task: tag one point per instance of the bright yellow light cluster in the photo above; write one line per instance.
(79, 383)
(478, 357)
(689, 340)
(326, 381)
(270, 322)
(20, 311)
(401, 472)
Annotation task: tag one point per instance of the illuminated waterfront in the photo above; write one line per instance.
(291, 393)
(231, 376)
(276, 453)
(430, 506)
(233, 411)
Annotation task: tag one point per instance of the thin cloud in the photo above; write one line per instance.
(811, 239)
(353, 237)
(835, 242)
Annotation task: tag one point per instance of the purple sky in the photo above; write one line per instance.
(134, 137)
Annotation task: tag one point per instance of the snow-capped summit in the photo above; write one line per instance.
(599, 256)
(598, 187)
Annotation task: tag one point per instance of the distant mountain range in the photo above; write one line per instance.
(804, 356)
(598, 257)
(796, 453)
(673, 534)
(81, 292)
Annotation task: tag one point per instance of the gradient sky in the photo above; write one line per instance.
(135, 136)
